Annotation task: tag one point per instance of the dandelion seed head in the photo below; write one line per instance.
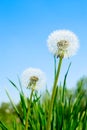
(33, 78)
(63, 43)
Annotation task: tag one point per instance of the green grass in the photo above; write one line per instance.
(70, 113)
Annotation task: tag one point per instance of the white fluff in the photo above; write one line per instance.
(28, 73)
(66, 35)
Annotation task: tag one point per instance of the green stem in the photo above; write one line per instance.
(54, 67)
(26, 123)
(53, 94)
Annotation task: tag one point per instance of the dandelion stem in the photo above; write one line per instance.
(26, 123)
(54, 67)
(53, 94)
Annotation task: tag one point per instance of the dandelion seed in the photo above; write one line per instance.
(33, 78)
(63, 43)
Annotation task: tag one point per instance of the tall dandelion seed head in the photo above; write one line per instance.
(63, 43)
(33, 78)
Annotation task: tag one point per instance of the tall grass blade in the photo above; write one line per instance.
(64, 83)
(13, 84)
(14, 106)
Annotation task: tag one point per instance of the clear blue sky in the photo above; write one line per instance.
(24, 28)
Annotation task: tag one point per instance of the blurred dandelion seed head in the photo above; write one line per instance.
(33, 78)
(33, 81)
(63, 43)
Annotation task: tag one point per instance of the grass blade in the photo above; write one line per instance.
(2, 125)
(14, 106)
(14, 84)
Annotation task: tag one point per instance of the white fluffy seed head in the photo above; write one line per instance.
(33, 78)
(63, 43)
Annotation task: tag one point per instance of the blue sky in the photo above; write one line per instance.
(24, 28)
